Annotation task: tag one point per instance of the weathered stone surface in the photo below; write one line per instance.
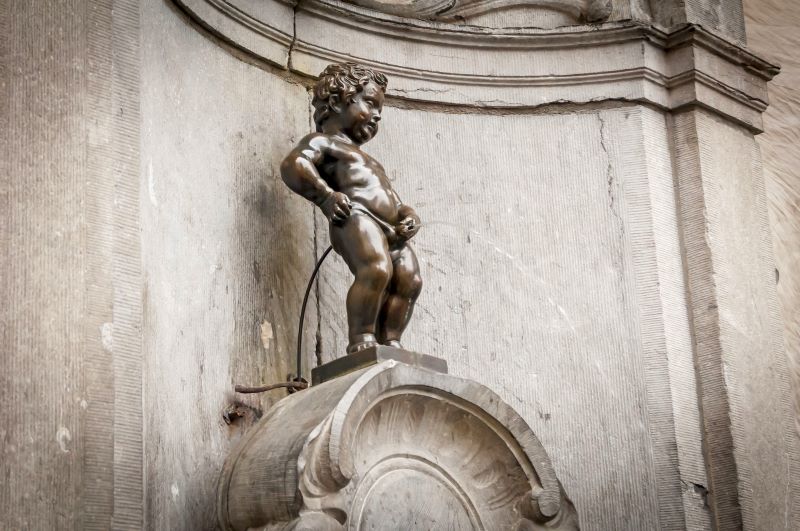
(392, 447)
(158, 266)
(741, 362)
(226, 253)
(773, 26)
(270, 24)
(723, 17)
(542, 270)
(70, 276)
(669, 66)
(466, 10)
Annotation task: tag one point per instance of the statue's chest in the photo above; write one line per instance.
(354, 168)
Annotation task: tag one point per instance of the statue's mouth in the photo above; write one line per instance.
(368, 130)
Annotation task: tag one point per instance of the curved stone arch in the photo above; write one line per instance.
(450, 10)
(436, 62)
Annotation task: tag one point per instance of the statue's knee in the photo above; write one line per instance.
(411, 286)
(416, 285)
(378, 273)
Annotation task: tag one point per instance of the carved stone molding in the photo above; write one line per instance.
(453, 64)
(392, 447)
(454, 10)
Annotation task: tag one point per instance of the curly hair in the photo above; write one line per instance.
(343, 80)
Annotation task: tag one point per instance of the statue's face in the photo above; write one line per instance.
(361, 116)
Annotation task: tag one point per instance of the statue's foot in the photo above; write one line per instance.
(364, 342)
(393, 343)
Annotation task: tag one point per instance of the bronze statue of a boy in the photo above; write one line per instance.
(369, 225)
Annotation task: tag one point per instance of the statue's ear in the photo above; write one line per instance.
(335, 103)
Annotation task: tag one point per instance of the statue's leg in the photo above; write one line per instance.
(404, 289)
(362, 245)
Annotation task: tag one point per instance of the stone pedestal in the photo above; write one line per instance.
(392, 446)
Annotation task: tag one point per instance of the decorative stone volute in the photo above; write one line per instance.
(392, 447)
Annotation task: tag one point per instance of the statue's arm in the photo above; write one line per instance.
(299, 169)
(299, 172)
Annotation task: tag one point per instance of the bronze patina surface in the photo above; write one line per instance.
(370, 226)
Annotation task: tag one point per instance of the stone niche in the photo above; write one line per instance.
(392, 446)
(616, 241)
(494, 56)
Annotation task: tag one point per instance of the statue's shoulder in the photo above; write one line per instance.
(316, 140)
(313, 146)
(327, 145)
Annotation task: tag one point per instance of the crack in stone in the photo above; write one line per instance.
(559, 107)
(295, 7)
(422, 89)
(609, 167)
(613, 203)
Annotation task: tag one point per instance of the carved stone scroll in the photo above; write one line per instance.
(392, 447)
(453, 10)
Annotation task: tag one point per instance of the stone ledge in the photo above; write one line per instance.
(515, 68)
(372, 356)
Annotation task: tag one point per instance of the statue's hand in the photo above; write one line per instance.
(408, 227)
(336, 208)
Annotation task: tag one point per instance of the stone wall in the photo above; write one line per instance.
(774, 28)
(538, 247)
(595, 247)
(70, 360)
(152, 259)
(225, 254)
